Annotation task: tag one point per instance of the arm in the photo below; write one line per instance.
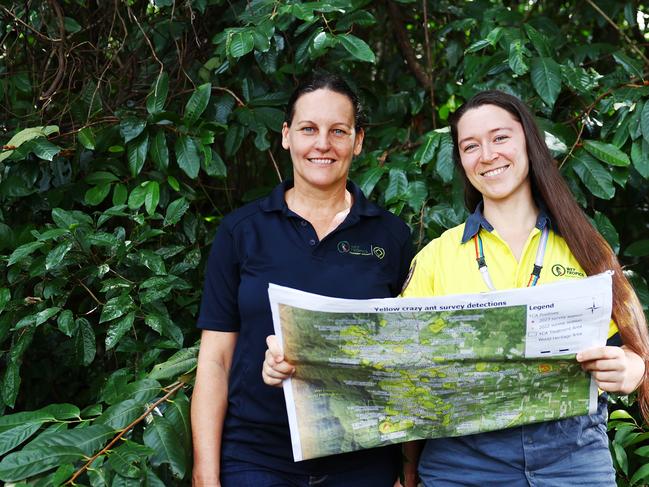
(209, 404)
(616, 369)
(275, 369)
(411, 452)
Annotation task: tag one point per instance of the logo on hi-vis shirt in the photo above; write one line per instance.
(559, 270)
(344, 247)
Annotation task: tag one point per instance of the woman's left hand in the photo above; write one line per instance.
(615, 369)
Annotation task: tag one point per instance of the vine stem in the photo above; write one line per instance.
(173, 388)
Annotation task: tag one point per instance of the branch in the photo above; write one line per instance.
(60, 54)
(626, 37)
(429, 63)
(174, 388)
(404, 44)
(24, 24)
(279, 175)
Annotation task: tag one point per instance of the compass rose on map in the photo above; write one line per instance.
(593, 307)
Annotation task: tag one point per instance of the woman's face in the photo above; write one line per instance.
(493, 153)
(322, 139)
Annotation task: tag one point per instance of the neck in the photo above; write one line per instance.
(315, 203)
(513, 220)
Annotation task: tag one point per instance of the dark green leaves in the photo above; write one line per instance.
(597, 179)
(197, 103)
(187, 155)
(239, 43)
(546, 79)
(607, 153)
(357, 48)
(155, 102)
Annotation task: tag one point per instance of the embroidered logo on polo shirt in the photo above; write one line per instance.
(559, 270)
(344, 247)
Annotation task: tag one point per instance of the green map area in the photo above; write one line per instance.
(370, 379)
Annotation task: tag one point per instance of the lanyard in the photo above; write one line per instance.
(538, 262)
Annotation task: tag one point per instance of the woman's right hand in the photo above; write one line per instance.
(275, 369)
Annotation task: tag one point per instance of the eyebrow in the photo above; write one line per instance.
(344, 124)
(509, 129)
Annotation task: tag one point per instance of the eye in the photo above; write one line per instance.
(501, 138)
(339, 132)
(469, 147)
(308, 130)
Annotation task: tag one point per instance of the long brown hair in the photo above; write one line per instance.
(587, 245)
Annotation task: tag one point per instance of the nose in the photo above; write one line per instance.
(488, 154)
(322, 143)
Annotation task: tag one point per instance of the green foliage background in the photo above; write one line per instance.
(130, 128)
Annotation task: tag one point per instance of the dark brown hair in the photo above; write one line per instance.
(322, 80)
(589, 248)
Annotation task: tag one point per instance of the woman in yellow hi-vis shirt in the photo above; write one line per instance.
(526, 229)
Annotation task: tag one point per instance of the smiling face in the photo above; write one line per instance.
(322, 139)
(493, 153)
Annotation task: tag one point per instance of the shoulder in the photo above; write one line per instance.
(245, 215)
(390, 222)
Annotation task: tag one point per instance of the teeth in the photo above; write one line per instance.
(495, 172)
(321, 161)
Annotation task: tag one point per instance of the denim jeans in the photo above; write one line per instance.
(238, 473)
(564, 453)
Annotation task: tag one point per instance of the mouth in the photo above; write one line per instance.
(494, 172)
(321, 161)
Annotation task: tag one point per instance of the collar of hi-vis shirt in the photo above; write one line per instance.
(476, 221)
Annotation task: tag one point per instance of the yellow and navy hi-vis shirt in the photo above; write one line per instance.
(447, 265)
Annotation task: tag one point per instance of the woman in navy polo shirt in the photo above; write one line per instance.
(309, 234)
(526, 224)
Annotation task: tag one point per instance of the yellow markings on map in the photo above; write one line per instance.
(545, 368)
(388, 426)
(437, 325)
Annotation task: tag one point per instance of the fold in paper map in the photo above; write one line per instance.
(381, 371)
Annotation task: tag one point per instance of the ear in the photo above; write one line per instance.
(285, 142)
(358, 141)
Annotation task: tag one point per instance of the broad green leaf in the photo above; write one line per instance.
(178, 364)
(478, 46)
(370, 178)
(44, 149)
(116, 307)
(546, 79)
(136, 153)
(417, 194)
(631, 66)
(444, 164)
(161, 437)
(215, 166)
(608, 231)
(5, 296)
(621, 457)
(65, 322)
(197, 103)
(95, 195)
(63, 411)
(123, 481)
(26, 135)
(397, 186)
(155, 101)
(103, 239)
(22, 252)
(13, 436)
(538, 40)
(641, 474)
(639, 248)
(57, 254)
(143, 390)
(27, 463)
(644, 121)
(101, 177)
(137, 197)
(152, 197)
(130, 127)
(158, 150)
(178, 415)
(118, 329)
(240, 43)
(607, 153)
(187, 155)
(643, 451)
(640, 157)
(517, 57)
(595, 177)
(37, 319)
(357, 47)
(86, 138)
(120, 193)
(426, 151)
(63, 473)
(175, 211)
(70, 219)
(126, 458)
(84, 342)
(122, 414)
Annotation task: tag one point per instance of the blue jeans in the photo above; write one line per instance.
(565, 453)
(238, 473)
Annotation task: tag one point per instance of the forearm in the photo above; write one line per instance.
(209, 406)
(411, 453)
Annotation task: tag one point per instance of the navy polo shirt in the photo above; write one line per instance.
(367, 256)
